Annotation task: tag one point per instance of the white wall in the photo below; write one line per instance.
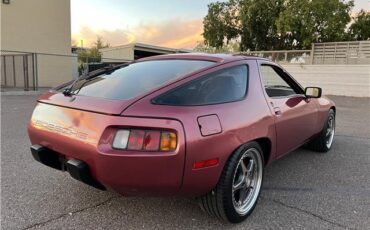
(117, 54)
(36, 26)
(345, 80)
(75, 73)
(55, 70)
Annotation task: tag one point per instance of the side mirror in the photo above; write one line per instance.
(313, 92)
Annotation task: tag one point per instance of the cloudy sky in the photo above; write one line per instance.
(170, 23)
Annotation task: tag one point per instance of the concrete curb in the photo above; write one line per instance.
(21, 93)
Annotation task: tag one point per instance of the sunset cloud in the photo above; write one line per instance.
(178, 33)
(169, 23)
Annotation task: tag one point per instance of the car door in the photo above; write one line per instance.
(295, 115)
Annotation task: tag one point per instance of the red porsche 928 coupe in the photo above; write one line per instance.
(193, 125)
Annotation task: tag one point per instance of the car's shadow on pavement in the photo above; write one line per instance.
(286, 176)
(294, 190)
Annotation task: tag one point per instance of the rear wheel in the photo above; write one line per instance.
(324, 141)
(238, 189)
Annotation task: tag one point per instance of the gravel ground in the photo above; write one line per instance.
(302, 190)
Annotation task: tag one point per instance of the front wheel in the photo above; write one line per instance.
(238, 189)
(324, 141)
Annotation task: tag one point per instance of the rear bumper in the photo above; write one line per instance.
(79, 170)
(127, 175)
(70, 134)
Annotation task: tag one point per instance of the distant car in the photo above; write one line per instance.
(193, 125)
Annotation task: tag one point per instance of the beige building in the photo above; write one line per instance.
(36, 43)
(135, 51)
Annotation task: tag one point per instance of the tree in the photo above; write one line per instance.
(276, 24)
(259, 30)
(251, 22)
(305, 22)
(360, 28)
(231, 47)
(221, 23)
(93, 54)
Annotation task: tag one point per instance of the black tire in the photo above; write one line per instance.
(320, 143)
(220, 201)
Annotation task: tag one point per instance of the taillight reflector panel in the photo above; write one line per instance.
(205, 164)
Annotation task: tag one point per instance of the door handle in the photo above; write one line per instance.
(277, 111)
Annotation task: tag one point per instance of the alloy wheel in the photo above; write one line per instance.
(247, 181)
(330, 131)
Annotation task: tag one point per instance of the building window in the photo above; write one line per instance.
(6, 1)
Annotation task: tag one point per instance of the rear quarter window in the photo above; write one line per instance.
(223, 86)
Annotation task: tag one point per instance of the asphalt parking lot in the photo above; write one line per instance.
(303, 190)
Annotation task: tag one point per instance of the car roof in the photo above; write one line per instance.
(203, 56)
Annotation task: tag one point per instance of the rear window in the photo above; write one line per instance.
(227, 85)
(137, 78)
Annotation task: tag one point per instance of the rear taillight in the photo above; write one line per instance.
(146, 140)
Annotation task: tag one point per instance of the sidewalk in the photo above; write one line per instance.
(21, 91)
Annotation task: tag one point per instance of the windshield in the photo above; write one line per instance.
(137, 78)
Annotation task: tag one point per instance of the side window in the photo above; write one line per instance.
(220, 87)
(274, 83)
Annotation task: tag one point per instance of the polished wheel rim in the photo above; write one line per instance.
(330, 131)
(247, 181)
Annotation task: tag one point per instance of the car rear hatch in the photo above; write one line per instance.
(86, 103)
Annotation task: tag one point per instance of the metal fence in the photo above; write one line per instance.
(29, 71)
(336, 53)
(18, 71)
(357, 52)
(284, 56)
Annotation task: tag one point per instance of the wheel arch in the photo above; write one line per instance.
(265, 144)
(333, 108)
